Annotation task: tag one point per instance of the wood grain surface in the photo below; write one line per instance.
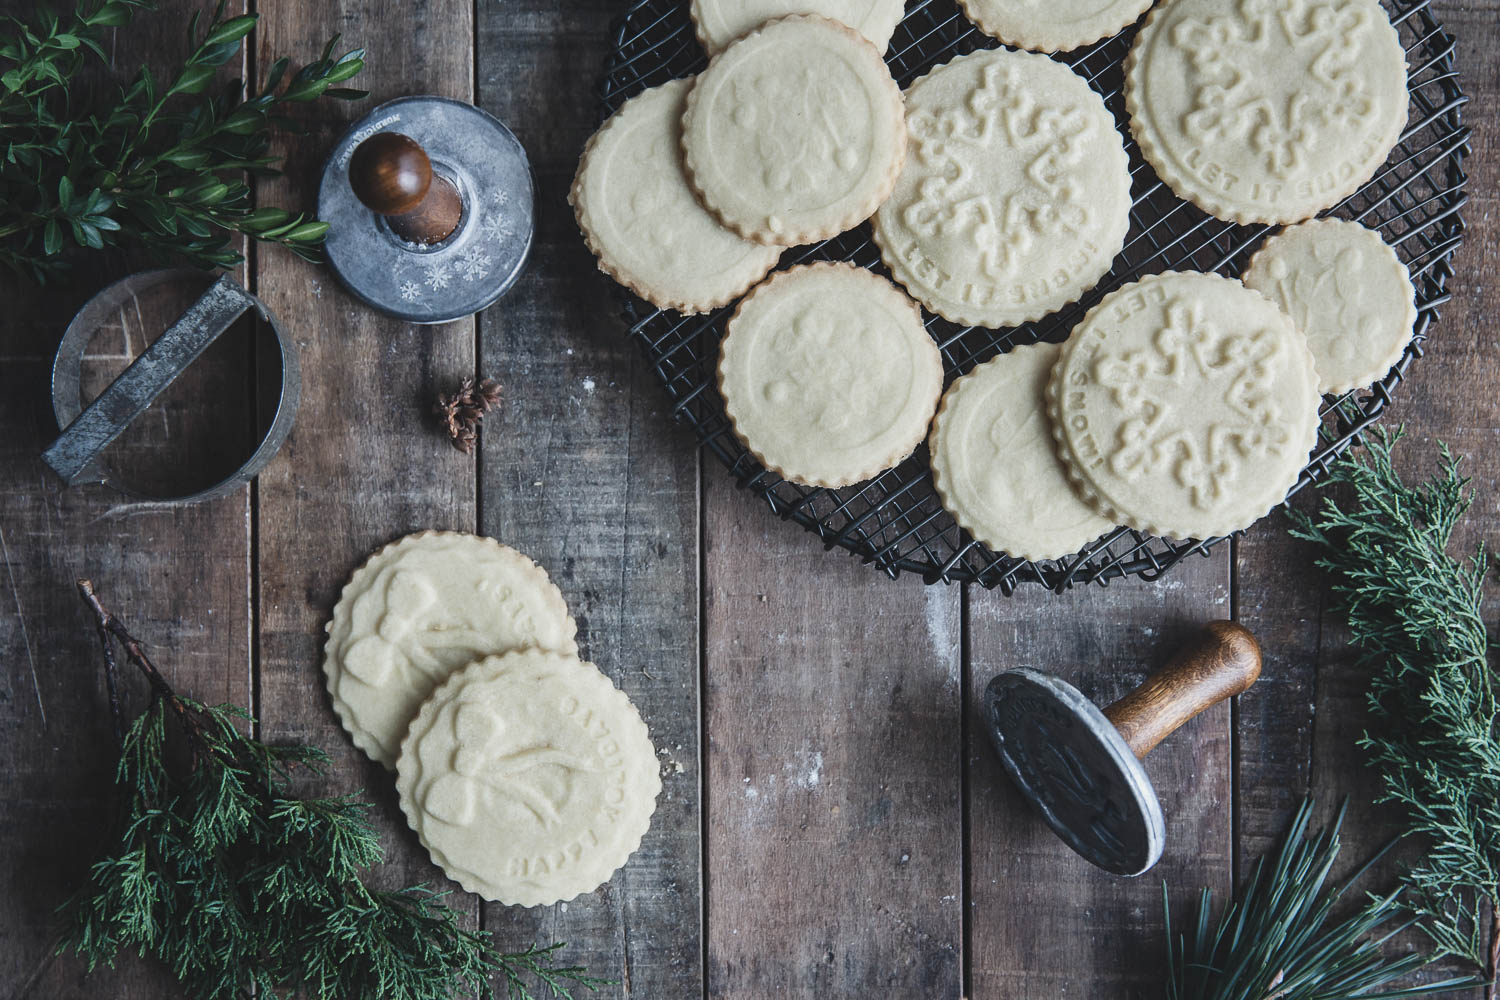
(833, 822)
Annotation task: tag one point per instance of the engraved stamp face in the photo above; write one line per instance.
(1276, 108)
(1015, 193)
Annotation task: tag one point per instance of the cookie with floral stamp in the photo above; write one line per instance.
(421, 608)
(1052, 25)
(1015, 195)
(828, 375)
(1348, 293)
(720, 22)
(1266, 110)
(529, 777)
(795, 132)
(644, 223)
(1184, 405)
(995, 465)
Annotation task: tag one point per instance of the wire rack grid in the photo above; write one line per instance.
(895, 521)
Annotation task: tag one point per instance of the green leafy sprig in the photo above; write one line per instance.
(1415, 612)
(1277, 939)
(162, 166)
(219, 870)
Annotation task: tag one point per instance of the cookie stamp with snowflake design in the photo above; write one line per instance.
(1015, 195)
(795, 132)
(828, 375)
(1266, 110)
(529, 777)
(1184, 405)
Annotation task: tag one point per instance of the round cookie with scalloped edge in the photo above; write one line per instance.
(795, 132)
(1052, 25)
(1184, 405)
(529, 777)
(995, 465)
(1266, 112)
(828, 374)
(720, 22)
(1348, 293)
(1015, 195)
(421, 608)
(644, 222)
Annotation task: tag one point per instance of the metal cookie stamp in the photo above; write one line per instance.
(1082, 768)
(86, 432)
(429, 203)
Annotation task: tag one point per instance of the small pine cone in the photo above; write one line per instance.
(464, 440)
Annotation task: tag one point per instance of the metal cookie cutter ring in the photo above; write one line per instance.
(87, 431)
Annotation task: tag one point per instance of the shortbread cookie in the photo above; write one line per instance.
(1015, 196)
(720, 22)
(421, 608)
(1266, 112)
(529, 777)
(1184, 405)
(828, 375)
(643, 221)
(1052, 25)
(795, 132)
(1348, 293)
(995, 465)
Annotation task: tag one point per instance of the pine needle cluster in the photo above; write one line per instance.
(241, 887)
(1416, 613)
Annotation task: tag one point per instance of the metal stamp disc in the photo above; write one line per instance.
(483, 257)
(1074, 766)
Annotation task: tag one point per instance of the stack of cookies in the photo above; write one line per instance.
(528, 776)
(999, 191)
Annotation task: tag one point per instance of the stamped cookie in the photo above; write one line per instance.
(529, 777)
(795, 132)
(421, 608)
(1052, 25)
(1184, 405)
(1348, 293)
(1015, 196)
(828, 375)
(720, 22)
(643, 221)
(1266, 112)
(995, 465)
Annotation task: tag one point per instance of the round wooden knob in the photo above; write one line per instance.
(1221, 662)
(391, 174)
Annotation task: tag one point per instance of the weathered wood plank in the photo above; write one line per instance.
(834, 810)
(189, 602)
(1043, 922)
(583, 470)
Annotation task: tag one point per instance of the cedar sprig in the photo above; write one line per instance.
(1277, 939)
(464, 410)
(220, 871)
(1416, 613)
(160, 164)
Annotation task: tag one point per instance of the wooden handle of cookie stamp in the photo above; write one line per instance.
(1223, 660)
(392, 175)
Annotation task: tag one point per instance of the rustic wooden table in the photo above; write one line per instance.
(831, 824)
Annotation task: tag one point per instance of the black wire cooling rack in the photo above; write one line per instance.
(896, 521)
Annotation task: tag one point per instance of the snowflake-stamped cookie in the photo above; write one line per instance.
(829, 376)
(1052, 25)
(1348, 293)
(1184, 405)
(529, 777)
(1015, 195)
(995, 465)
(1266, 112)
(720, 22)
(644, 223)
(421, 608)
(795, 132)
